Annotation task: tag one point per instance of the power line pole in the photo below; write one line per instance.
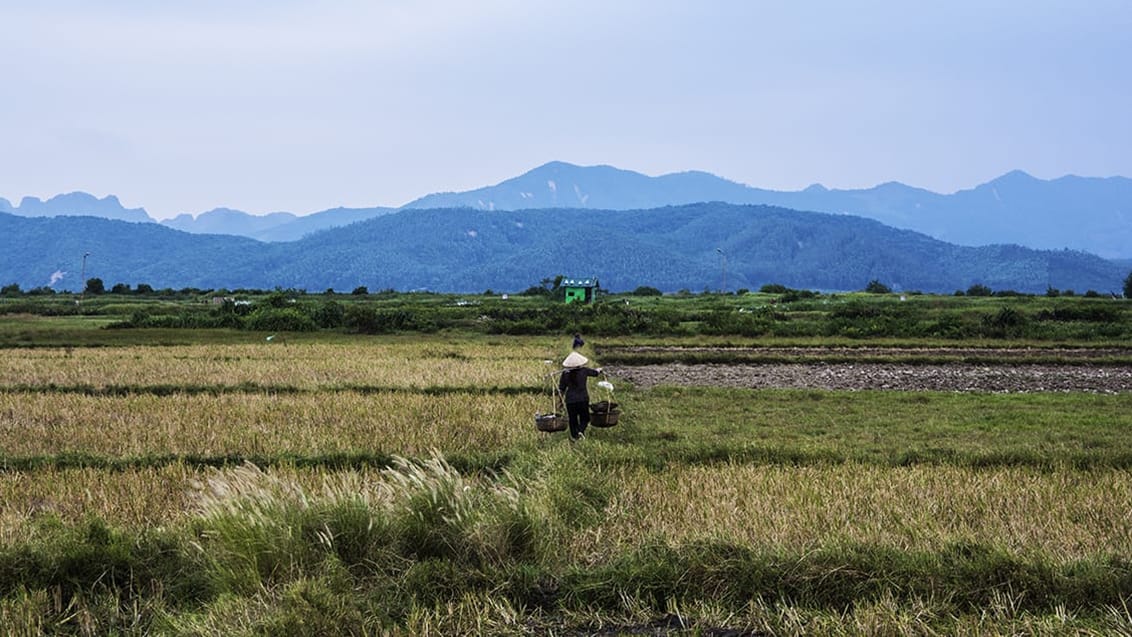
(82, 292)
(724, 267)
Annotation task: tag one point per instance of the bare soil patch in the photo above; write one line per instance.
(960, 377)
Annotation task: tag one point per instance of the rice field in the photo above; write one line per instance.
(388, 363)
(771, 511)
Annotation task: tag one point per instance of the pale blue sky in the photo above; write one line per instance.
(302, 106)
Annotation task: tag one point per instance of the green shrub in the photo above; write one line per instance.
(876, 287)
(368, 320)
(329, 314)
(273, 319)
(1006, 322)
(1088, 312)
(735, 323)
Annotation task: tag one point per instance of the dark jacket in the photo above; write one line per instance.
(573, 384)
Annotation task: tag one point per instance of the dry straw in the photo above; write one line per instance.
(1063, 513)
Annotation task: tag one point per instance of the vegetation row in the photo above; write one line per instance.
(265, 555)
(789, 314)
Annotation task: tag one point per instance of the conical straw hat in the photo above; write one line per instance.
(575, 360)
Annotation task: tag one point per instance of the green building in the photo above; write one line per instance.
(579, 290)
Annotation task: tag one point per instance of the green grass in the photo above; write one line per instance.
(670, 425)
(534, 535)
(366, 558)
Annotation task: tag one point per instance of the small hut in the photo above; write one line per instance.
(579, 290)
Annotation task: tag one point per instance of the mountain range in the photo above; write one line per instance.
(1079, 213)
(701, 246)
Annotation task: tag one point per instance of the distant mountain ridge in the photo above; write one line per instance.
(275, 226)
(1079, 213)
(76, 204)
(468, 251)
(562, 185)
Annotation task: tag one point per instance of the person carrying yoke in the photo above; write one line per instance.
(572, 384)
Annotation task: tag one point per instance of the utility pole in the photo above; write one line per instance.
(82, 291)
(724, 267)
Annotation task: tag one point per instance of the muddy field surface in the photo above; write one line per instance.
(960, 377)
(1004, 353)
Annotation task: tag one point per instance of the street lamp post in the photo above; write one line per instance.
(82, 282)
(723, 257)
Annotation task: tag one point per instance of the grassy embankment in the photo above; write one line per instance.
(128, 506)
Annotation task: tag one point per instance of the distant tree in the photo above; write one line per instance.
(329, 314)
(978, 289)
(120, 288)
(10, 290)
(1052, 291)
(553, 284)
(94, 286)
(774, 288)
(277, 299)
(535, 290)
(646, 290)
(1092, 294)
(1128, 286)
(361, 290)
(143, 288)
(876, 287)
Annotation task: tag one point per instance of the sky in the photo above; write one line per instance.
(295, 106)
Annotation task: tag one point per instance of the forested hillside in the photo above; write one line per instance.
(695, 247)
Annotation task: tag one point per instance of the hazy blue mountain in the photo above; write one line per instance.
(229, 221)
(307, 224)
(1079, 213)
(276, 226)
(463, 250)
(562, 185)
(1090, 214)
(45, 251)
(5, 205)
(77, 203)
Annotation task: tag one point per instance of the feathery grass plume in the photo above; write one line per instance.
(250, 526)
(419, 519)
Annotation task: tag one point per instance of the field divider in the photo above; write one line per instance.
(255, 388)
(630, 359)
(488, 462)
(470, 464)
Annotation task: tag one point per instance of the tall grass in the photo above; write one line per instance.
(1064, 514)
(391, 362)
(789, 512)
(420, 546)
(398, 422)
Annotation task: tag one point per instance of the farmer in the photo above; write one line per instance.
(578, 342)
(572, 384)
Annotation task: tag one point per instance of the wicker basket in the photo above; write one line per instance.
(551, 422)
(604, 414)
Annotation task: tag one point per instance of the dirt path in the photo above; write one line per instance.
(892, 376)
(1000, 353)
